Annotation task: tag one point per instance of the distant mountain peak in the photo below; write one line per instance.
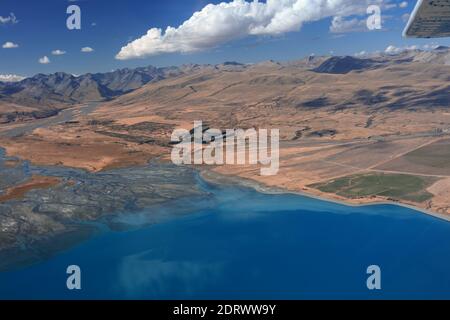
(343, 65)
(441, 48)
(60, 87)
(232, 63)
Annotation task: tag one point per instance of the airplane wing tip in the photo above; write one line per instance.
(430, 19)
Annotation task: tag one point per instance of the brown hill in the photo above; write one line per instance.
(332, 124)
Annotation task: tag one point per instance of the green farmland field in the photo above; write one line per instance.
(395, 186)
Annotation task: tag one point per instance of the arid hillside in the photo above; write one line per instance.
(298, 98)
(345, 122)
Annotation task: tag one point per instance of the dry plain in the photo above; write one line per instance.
(339, 131)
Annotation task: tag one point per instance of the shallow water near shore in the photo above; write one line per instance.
(238, 243)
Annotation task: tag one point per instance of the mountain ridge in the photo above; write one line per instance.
(50, 90)
(57, 91)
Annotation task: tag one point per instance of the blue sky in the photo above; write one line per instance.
(107, 26)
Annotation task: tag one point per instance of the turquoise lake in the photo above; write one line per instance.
(242, 244)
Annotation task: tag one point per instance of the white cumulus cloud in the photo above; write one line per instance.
(361, 54)
(341, 25)
(87, 49)
(431, 46)
(11, 19)
(10, 45)
(403, 4)
(224, 22)
(58, 52)
(44, 60)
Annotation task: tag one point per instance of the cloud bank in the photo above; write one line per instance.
(10, 78)
(227, 21)
(396, 50)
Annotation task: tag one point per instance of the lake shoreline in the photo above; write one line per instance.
(17, 258)
(215, 177)
(75, 237)
(233, 245)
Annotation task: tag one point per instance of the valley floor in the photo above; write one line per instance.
(409, 167)
(89, 164)
(367, 136)
(362, 173)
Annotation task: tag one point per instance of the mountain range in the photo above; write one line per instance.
(43, 95)
(62, 88)
(337, 116)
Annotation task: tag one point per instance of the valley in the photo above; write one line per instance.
(353, 130)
